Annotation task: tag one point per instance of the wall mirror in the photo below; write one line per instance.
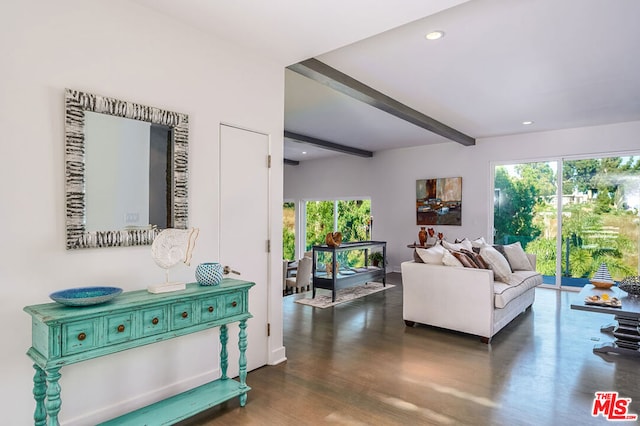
(126, 171)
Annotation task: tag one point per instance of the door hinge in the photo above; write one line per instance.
(268, 161)
(268, 329)
(268, 246)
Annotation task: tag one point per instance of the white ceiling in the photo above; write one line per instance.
(560, 63)
(289, 31)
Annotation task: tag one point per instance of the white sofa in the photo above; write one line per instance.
(465, 299)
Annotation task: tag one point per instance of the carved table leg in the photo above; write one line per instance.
(39, 393)
(53, 396)
(224, 355)
(242, 344)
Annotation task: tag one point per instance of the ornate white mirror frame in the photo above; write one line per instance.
(76, 104)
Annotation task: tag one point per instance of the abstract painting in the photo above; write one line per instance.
(439, 201)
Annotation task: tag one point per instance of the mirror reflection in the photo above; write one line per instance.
(127, 165)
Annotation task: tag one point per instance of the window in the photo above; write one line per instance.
(350, 217)
(600, 204)
(524, 210)
(319, 222)
(589, 218)
(289, 231)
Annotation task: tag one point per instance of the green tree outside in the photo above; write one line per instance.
(289, 231)
(353, 220)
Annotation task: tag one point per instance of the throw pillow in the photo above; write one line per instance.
(497, 263)
(432, 255)
(517, 258)
(476, 258)
(450, 260)
(416, 257)
(500, 249)
(464, 244)
(478, 242)
(464, 259)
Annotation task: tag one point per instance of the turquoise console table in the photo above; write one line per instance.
(63, 335)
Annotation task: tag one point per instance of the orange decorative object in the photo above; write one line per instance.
(422, 235)
(333, 239)
(431, 232)
(329, 267)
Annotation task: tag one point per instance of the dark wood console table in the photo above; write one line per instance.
(626, 330)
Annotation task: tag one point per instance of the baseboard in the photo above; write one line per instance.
(138, 401)
(278, 356)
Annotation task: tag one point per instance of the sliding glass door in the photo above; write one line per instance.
(525, 210)
(601, 198)
(573, 224)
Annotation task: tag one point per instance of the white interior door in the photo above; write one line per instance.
(244, 228)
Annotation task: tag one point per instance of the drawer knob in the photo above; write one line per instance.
(210, 309)
(82, 336)
(234, 303)
(154, 321)
(120, 328)
(185, 314)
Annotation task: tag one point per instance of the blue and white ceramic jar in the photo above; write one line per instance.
(209, 273)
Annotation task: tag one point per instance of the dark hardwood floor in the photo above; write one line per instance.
(357, 364)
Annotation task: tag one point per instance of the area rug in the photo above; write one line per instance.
(323, 297)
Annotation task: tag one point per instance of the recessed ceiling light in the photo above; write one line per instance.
(527, 123)
(304, 152)
(435, 35)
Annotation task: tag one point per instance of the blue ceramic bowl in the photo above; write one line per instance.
(209, 273)
(85, 296)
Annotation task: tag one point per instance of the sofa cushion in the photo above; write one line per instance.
(496, 262)
(466, 261)
(478, 242)
(450, 260)
(516, 257)
(476, 258)
(432, 255)
(519, 282)
(464, 244)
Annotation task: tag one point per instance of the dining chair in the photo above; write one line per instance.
(302, 280)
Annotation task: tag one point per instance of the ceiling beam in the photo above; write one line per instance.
(291, 162)
(328, 145)
(324, 74)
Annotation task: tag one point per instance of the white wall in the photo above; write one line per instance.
(389, 177)
(123, 145)
(122, 50)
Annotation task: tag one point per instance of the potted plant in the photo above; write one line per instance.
(376, 258)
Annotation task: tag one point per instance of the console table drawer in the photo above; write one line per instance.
(211, 309)
(119, 327)
(234, 304)
(182, 315)
(154, 321)
(80, 336)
